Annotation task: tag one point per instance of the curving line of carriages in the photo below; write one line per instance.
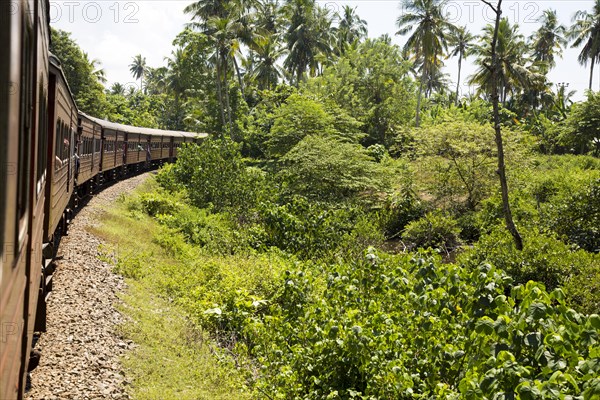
(50, 155)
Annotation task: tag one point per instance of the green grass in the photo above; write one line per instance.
(173, 358)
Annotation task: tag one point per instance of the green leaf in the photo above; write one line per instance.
(485, 325)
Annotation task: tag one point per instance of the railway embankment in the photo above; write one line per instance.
(82, 348)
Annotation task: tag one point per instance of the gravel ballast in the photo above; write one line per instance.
(82, 348)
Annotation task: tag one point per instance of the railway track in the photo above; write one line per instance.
(81, 350)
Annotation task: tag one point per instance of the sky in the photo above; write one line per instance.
(115, 31)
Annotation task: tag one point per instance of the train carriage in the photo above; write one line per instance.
(109, 145)
(62, 128)
(23, 101)
(88, 146)
(135, 151)
(177, 142)
(155, 149)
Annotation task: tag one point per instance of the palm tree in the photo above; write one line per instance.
(265, 70)
(351, 28)
(511, 49)
(94, 64)
(202, 10)
(138, 69)
(437, 82)
(586, 31)
(156, 80)
(461, 41)
(306, 36)
(430, 36)
(561, 100)
(548, 41)
(222, 32)
(268, 17)
(325, 40)
(117, 89)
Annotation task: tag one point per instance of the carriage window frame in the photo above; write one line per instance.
(26, 100)
(42, 138)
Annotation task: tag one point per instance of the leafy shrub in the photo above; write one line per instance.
(401, 208)
(166, 178)
(156, 203)
(576, 215)
(545, 259)
(433, 230)
(216, 233)
(458, 161)
(300, 117)
(377, 151)
(396, 327)
(312, 230)
(580, 132)
(214, 175)
(328, 170)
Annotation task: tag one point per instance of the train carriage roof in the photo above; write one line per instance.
(144, 131)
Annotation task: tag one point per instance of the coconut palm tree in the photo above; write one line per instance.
(306, 36)
(351, 28)
(268, 17)
(511, 51)
(429, 39)
(117, 89)
(138, 69)
(586, 31)
(265, 70)
(202, 10)
(94, 64)
(549, 40)
(461, 41)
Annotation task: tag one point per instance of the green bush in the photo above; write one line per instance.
(156, 203)
(328, 170)
(215, 175)
(576, 215)
(166, 178)
(217, 233)
(544, 259)
(433, 230)
(312, 230)
(399, 328)
(401, 208)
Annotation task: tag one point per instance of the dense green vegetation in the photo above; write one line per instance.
(342, 232)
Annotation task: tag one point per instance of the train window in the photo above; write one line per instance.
(65, 144)
(57, 134)
(42, 138)
(25, 127)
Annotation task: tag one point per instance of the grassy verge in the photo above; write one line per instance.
(173, 359)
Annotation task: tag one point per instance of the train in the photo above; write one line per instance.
(51, 155)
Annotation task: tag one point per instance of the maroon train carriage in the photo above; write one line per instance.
(62, 131)
(24, 36)
(89, 145)
(138, 147)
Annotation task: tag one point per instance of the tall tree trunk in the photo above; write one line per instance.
(592, 72)
(220, 96)
(458, 79)
(239, 76)
(510, 225)
(226, 87)
(418, 117)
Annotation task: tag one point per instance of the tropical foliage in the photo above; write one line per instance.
(341, 233)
